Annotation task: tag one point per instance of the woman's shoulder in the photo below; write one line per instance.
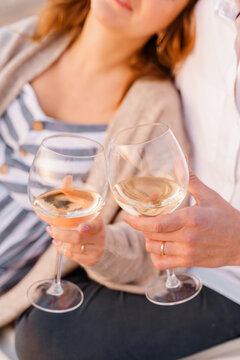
(15, 36)
(24, 26)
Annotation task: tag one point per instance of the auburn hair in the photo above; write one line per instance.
(159, 56)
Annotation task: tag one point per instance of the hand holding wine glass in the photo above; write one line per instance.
(203, 235)
(85, 244)
(67, 186)
(149, 177)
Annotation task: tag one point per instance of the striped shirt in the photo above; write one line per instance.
(22, 234)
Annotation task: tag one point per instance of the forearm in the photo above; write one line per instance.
(15, 301)
(125, 259)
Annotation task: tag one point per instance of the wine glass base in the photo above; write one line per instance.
(41, 295)
(159, 294)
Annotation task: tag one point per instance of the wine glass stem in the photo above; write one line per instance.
(56, 287)
(172, 281)
(58, 272)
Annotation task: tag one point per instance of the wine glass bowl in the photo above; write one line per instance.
(67, 186)
(149, 176)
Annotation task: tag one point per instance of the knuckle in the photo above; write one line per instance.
(67, 247)
(156, 226)
(195, 219)
(184, 214)
(75, 238)
(189, 238)
(157, 265)
(91, 262)
(148, 246)
(157, 262)
(192, 177)
(68, 254)
(57, 236)
(183, 262)
(189, 253)
(146, 235)
(78, 259)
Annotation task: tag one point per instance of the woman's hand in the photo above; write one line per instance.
(85, 244)
(204, 235)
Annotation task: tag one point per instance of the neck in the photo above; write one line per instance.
(100, 48)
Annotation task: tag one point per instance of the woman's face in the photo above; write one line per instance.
(137, 18)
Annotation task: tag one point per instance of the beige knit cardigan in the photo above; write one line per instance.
(125, 265)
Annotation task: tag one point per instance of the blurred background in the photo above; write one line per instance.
(14, 10)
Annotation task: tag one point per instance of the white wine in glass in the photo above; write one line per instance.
(148, 176)
(67, 186)
(67, 208)
(148, 195)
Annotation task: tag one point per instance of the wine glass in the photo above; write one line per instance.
(149, 176)
(67, 186)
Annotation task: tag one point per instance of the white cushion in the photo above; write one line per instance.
(3, 357)
(7, 348)
(228, 351)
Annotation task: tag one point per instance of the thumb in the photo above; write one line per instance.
(198, 189)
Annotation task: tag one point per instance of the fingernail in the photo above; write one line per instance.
(84, 227)
(54, 242)
(49, 230)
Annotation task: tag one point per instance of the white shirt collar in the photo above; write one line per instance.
(227, 8)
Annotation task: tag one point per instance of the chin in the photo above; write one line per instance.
(104, 12)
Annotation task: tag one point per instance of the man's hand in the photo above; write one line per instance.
(204, 235)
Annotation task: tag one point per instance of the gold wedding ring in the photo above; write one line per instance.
(82, 249)
(162, 248)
